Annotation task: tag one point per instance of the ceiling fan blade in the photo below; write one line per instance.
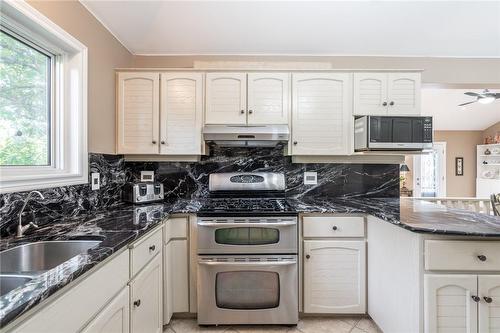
(467, 103)
(469, 93)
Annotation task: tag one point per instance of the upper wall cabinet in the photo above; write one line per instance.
(181, 115)
(226, 98)
(267, 102)
(322, 118)
(138, 110)
(142, 128)
(268, 98)
(387, 94)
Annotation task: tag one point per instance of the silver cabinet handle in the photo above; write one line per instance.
(263, 225)
(256, 263)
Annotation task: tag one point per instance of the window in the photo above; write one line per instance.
(43, 102)
(25, 102)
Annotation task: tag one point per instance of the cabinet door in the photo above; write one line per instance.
(268, 98)
(489, 306)
(138, 108)
(334, 276)
(176, 278)
(321, 111)
(167, 283)
(114, 318)
(226, 98)
(146, 299)
(448, 303)
(181, 113)
(370, 94)
(403, 94)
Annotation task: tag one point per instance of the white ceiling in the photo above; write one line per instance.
(404, 28)
(442, 104)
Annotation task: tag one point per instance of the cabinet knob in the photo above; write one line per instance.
(308, 256)
(481, 257)
(391, 103)
(242, 111)
(137, 303)
(153, 142)
(476, 299)
(152, 248)
(250, 111)
(488, 299)
(295, 143)
(334, 228)
(163, 142)
(384, 104)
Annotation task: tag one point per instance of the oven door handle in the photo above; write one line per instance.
(222, 225)
(256, 263)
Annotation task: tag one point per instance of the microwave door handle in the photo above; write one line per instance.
(248, 264)
(222, 225)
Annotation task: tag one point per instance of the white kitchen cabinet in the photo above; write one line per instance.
(268, 98)
(489, 305)
(448, 303)
(181, 114)
(394, 94)
(146, 299)
(176, 267)
(138, 108)
(321, 111)
(226, 98)
(114, 318)
(334, 276)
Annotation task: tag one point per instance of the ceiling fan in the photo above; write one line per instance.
(486, 97)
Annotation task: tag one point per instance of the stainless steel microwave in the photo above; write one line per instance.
(392, 133)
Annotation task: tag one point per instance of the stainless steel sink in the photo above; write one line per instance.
(42, 256)
(11, 282)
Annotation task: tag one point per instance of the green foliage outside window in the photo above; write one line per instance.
(24, 103)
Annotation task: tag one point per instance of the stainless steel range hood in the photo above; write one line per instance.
(246, 136)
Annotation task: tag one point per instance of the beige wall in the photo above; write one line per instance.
(105, 54)
(458, 144)
(442, 71)
(492, 130)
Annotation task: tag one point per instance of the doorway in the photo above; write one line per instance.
(429, 178)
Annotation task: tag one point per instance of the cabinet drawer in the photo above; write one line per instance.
(333, 226)
(176, 227)
(144, 250)
(462, 255)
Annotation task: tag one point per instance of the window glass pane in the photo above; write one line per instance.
(247, 236)
(24, 103)
(250, 290)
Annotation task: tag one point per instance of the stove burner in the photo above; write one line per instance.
(246, 205)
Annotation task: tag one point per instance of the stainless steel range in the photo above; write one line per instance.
(247, 252)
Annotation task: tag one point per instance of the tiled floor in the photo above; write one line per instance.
(306, 325)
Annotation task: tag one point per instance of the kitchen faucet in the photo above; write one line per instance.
(20, 228)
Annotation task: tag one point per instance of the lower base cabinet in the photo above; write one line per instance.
(462, 303)
(146, 302)
(334, 276)
(114, 318)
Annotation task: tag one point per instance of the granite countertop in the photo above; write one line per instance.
(414, 215)
(118, 227)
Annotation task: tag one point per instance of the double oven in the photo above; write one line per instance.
(247, 257)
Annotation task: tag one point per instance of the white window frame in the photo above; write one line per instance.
(68, 155)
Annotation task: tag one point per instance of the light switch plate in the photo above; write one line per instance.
(147, 176)
(95, 179)
(310, 178)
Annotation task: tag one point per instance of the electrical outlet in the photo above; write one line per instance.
(310, 178)
(95, 180)
(147, 176)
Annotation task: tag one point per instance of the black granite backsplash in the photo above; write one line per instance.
(68, 200)
(190, 180)
(183, 180)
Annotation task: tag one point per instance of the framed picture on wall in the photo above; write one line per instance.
(459, 166)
